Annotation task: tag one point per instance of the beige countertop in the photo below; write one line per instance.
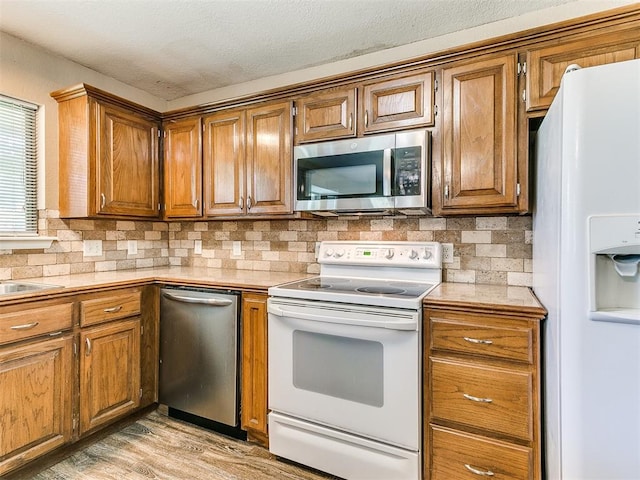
(489, 297)
(191, 276)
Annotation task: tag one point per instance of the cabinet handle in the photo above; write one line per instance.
(249, 203)
(478, 341)
(241, 203)
(113, 309)
(366, 118)
(477, 471)
(350, 121)
(103, 200)
(87, 352)
(195, 204)
(446, 192)
(477, 399)
(26, 326)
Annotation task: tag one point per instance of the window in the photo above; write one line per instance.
(18, 167)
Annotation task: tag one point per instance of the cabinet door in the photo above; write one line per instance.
(401, 102)
(546, 65)
(224, 159)
(269, 181)
(35, 400)
(127, 178)
(325, 115)
(109, 372)
(254, 364)
(479, 146)
(183, 168)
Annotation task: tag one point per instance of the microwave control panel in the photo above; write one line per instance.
(408, 171)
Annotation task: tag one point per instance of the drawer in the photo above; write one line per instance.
(494, 399)
(473, 337)
(107, 308)
(462, 456)
(35, 320)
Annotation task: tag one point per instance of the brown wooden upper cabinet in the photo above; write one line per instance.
(546, 64)
(108, 155)
(247, 161)
(328, 114)
(479, 168)
(395, 103)
(183, 168)
(400, 102)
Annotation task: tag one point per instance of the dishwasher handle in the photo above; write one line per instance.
(213, 302)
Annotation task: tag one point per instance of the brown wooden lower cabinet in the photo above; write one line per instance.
(482, 413)
(254, 367)
(109, 372)
(35, 400)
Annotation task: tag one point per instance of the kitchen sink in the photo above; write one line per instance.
(11, 287)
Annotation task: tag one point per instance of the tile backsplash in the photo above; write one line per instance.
(494, 250)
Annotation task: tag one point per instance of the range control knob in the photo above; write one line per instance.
(413, 254)
(328, 252)
(427, 254)
(389, 253)
(339, 253)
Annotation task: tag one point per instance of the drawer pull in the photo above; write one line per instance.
(477, 399)
(113, 309)
(477, 471)
(26, 326)
(478, 341)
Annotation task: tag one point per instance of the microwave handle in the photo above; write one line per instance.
(386, 172)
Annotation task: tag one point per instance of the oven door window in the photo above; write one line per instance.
(350, 175)
(341, 367)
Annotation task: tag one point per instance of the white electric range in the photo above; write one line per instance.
(345, 363)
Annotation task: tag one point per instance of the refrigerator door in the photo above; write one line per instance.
(587, 163)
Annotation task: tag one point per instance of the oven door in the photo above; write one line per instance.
(353, 368)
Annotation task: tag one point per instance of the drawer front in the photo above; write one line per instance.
(462, 456)
(494, 399)
(109, 308)
(34, 321)
(475, 338)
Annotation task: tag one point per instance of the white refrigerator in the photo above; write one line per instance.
(586, 250)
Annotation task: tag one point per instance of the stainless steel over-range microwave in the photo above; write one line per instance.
(377, 174)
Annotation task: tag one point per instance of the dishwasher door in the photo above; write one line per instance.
(199, 353)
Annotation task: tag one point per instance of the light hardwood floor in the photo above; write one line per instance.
(158, 447)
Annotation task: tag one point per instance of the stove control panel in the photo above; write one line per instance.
(397, 254)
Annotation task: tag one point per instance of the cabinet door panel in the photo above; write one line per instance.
(479, 145)
(35, 400)
(127, 166)
(109, 372)
(326, 115)
(183, 168)
(399, 103)
(223, 157)
(254, 363)
(546, 65)
(269, 159)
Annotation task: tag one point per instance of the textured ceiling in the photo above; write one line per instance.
(171, 49)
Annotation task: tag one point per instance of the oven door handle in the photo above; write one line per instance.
(400, 324)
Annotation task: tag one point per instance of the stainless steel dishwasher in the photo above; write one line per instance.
(199, 357)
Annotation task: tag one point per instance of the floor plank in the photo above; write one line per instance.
(159, 447)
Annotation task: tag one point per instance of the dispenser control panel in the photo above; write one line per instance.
(614, 233)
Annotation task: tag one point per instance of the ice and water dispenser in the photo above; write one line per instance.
(614, 277)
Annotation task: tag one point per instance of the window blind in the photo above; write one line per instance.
(18, 167)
